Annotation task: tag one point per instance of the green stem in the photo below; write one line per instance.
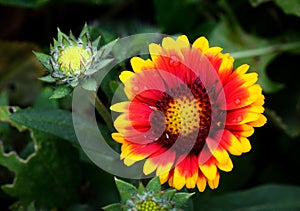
(265, 50)
(103, 111)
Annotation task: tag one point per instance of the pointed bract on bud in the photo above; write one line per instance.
(71, 59)
(150, 197)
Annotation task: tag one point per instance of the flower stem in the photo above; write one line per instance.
(265, 50)
(103, 111)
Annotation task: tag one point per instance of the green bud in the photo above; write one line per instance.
(72, 61)
(149, 198)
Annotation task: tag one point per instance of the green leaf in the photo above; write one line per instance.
(113, 85)
(290, 7)
(89, 84)
(61, 92)
(60, 37)
(50, 176)
(72, 38)
(154, 185)
(84, 32)
(267, 197)
(125, 189)
(47, 78)
(113, 207)
(24, 3)
(234, 40)
(96, 42)
(168, 194)
(56, 122)
(141, 188)
(107, 49)
(5, 116)
(53, 121)
(74, 83)
(181, 198)
(43, 59)
(99, 64)
(27, 150)
(43, 101)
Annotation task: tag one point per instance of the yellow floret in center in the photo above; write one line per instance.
(72, 58)
(183, 116)
(149, 206)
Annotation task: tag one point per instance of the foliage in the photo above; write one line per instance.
(132, 197)
(42, 165)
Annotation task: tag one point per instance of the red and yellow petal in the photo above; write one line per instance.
(162, 161)
(171, 179)
(178, 178)
(155, 50)
(140, 85)
(230, 142)
(259, 122)
(118, 137)
(126, 75)
(242, 69)
(245, 130)
(138, 64)
(128, 126)
(228, 166)
(186, 172)
(183, 42)
(192, 174)
(175, 63)
(165, 176)
(214, 183)
(209, 169)
(226, 67)
(217, 151)
(131, 152)
(241, 116)
(240, 97)
(169, 46)
(207, 163)
(201, 182)
(120, 107)
(174, 47)
(245, 143)
(201, 43)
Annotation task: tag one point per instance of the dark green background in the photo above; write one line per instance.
(59, 176)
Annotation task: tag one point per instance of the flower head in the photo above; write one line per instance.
(187, 110)
(69, 58)
(72, 59)
(148, 198)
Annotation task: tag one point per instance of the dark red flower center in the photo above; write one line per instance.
(186, 117)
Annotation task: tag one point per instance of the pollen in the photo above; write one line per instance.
(73, 58)
(150, 206)
(187, 117)
(182, 116)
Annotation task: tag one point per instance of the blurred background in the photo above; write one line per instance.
(262, 33)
